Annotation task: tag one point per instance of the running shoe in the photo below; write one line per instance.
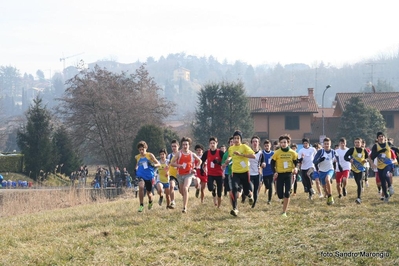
(141, 208)
(268, 202)
(243, 198)
(150, 205)
(169, 207)
(330, 200)
(184, 210)
(197, 192)
(250, 200)
(312, 191)
(358, 201)
(160, 201)
(340, 196)
(321, 196)
(344, 191)
(234, 212)
(386, 199)
(284, 214)
(310, 197)
(391, 191)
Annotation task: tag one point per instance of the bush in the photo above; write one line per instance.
(12, 163)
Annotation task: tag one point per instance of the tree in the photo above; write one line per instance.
(10, 80)
(359, 120)
(105, 111)
(222, 108)
(34, 139)
(168, 136)
(64, 152)
(40, 74)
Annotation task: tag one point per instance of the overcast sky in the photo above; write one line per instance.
(35, 34)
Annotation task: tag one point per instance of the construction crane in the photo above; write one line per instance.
(63, 59)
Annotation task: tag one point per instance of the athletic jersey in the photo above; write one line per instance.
(145, 168)
(327, 164)
(163, 175)
(382, 162)
(254, 164)
(340, 153)
(307, 156)
(267, 157)
(285, 160)
(227, 170)
(186, 160)
(240, 163)
(359, 157)
(213, 169)
(172, 170)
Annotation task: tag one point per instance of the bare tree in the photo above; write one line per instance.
(105, 111)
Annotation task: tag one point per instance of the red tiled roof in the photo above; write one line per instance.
(382, 101)
(298, 104)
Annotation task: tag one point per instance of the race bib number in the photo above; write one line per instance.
(243, 164)
(145, 165)
(285, 165)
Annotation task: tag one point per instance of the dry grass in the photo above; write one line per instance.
(114, 233)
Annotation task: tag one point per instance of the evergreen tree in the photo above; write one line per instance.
(168, 136)
(361, 121)
(65, 155)
(222, 109)
(34, 140)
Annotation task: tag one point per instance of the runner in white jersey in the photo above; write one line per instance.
(342, 168)
(305, 158)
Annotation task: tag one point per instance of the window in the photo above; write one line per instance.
(292, 122)
(388, 120)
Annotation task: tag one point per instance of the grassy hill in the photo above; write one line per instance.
(114, 233)
(51, 181)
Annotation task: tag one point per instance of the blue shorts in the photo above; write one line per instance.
(323, 175)
(315, 175)
(164, 185)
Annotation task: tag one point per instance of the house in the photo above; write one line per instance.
(181, 74)
(385, 102)
(274, 116)
(301, 117)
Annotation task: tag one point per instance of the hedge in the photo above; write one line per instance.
(12, 163)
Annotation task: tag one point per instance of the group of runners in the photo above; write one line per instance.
(241, 168)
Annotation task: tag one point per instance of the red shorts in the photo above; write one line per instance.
(203, 178)
(377, 178)
(341, 175)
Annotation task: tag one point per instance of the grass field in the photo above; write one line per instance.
(114, 233)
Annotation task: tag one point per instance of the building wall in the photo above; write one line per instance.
(394, 132)
(276, 122)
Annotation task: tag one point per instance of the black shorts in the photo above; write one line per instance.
(172, 178)
(147, 184)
